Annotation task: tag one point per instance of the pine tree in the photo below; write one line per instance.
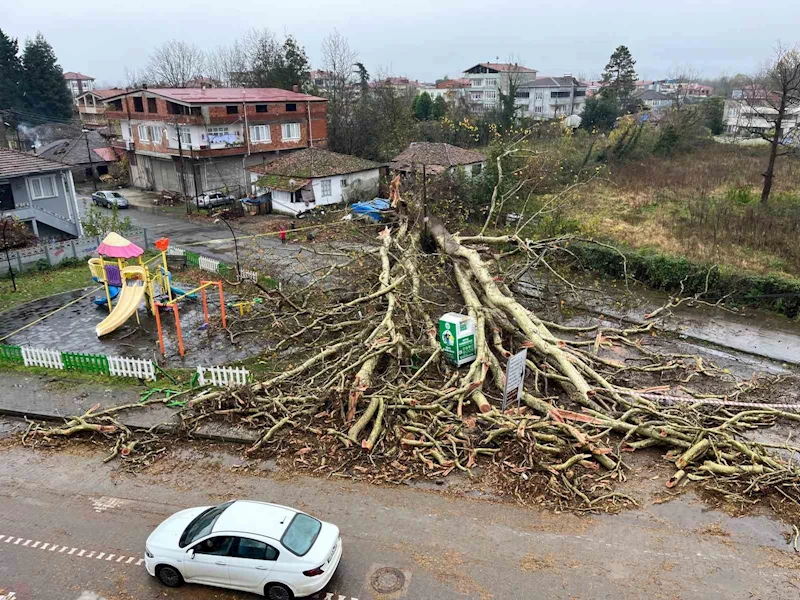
(422, 106)
(439, 108)
(619, 76)
(295, 65)
(44, 90)
(10, 72)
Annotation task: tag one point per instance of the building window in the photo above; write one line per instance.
(43, 187)
(232, 109)
(144, 133)
(344, 183)
(213, 133)
(477, 95)
(185, 135)
(151, 105)
(138, 104)
(326, 188)
(537, 109)
(560, 94)
(116, 105)
(477, 83)
(490, 94)
(155, 134)
(290, 131)
(522, 94)
(476, 169)
(538, 95)
(259, 134)
(291, 108)
(261, 108)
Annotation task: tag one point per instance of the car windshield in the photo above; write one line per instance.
(301, 534)
(116, 195)
(202, 524)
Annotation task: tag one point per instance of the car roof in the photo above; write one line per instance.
(259, 518)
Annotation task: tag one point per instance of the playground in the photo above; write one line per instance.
(135, 308)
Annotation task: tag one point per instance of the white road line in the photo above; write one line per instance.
(140, 561)
(63, 549)
(101, 555)
(71, 552)
(120, 558)
(27, 542)
(110, 556)
(18, 541)
(45, 545)
(53, 547)
(9, 538)
(91, 554)
(36, 544)
(130, 560)
(81, 553)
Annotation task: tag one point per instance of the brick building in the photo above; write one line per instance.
(211, 136)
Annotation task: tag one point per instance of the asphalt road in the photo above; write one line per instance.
(73, 528)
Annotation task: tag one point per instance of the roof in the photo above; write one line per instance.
(103, 93)
(431, 153)
(73, 151)
(652, 95)
(281, 182)
(548, 82)
(75, 75)
(223, 95)
(504, 67)
(260, 518)
(452, 83)
(314, 162)
(18, 164)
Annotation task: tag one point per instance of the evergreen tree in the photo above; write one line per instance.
(295, 66)
(714, 114)
(439, 108)
(10, 72)
(619, 77)
(422, 106)
(600, 113)
(44, 90)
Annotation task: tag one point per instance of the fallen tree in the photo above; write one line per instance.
(362, 386)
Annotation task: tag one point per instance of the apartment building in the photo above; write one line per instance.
(551, 97)
(757, 116)
(195, 140)
(78, 83)
(92, 108)
(487, 80)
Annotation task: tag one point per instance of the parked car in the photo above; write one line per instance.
(213, 199)
(108, 199)
(257, 547)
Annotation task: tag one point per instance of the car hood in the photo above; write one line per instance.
(168, 534)
(327, 538)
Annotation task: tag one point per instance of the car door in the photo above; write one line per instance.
(250, 564)
(96, 198)
(209, 564)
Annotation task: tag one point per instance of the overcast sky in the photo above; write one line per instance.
(425, 39)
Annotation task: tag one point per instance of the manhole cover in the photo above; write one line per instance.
(387, 580)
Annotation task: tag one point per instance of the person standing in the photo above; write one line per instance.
(283, 234)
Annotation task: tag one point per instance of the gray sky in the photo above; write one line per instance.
(425, 39)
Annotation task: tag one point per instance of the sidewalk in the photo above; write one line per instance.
(56, 398)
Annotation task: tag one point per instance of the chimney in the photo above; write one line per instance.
(296, 88)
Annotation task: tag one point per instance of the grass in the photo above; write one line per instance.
(32, 285)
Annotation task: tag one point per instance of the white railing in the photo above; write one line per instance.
(131, 367)
(223, 376)
(209, 264)
(175, 251)
(42, 357)
(248, 276)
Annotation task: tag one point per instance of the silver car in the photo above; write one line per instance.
(212, 199)
(109, 199)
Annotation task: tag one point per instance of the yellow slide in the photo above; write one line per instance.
(133, 289)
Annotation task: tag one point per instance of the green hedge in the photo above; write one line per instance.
(665, 272)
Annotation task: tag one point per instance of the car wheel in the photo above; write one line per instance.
(169, 576)
(278, 591)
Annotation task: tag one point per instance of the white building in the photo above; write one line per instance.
(487, 80)
(313, 177)
(551, 97)
(747, 119)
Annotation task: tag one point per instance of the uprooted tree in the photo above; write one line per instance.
(360, 384)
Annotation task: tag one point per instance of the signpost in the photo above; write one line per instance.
(515, 378)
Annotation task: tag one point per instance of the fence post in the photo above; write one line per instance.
(144, 233)
(74, 250)
(47, 254)
(19, 261)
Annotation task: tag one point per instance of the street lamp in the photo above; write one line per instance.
(235, 247)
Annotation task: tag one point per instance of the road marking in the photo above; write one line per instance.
(81, 553)
(101, 555)
(18, 541)
(130, 560)
(45, 545)
(71, 552)
(63, 549)
(36, 544)
(110, 556)
(27, 542)
(105, 503)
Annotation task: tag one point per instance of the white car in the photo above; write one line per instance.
(267, 549)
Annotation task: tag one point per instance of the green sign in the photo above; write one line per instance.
(457, 338)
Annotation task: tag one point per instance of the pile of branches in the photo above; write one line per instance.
(361, 385)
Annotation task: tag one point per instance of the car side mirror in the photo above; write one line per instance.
(191, 553)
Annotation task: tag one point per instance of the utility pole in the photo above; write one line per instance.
(180, 155)
(91, 162)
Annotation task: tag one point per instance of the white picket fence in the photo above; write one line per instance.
(42, 357)
(209, 264)
(248, 276)
(175, 251)
(125, 366)
(222, 376)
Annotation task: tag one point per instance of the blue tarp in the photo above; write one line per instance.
(371, 209)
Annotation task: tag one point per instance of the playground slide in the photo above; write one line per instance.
(129, 299)
(113, 291)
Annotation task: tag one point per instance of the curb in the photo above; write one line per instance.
(216, 437)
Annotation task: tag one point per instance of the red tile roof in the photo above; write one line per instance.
(80, 76)
(103, 93)
(223, 95)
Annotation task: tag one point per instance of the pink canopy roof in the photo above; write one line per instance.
(116, 246)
